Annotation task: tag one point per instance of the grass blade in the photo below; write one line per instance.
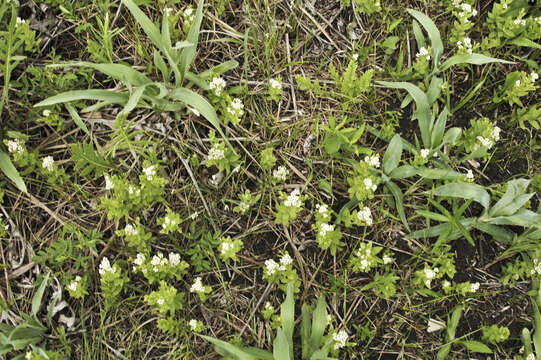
(474, 59)
(432, 31)
(229, 349)
(36, 300)
(399, 201)
(188, 54)
(92, 94)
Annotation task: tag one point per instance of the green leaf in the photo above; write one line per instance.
(305, 331)
(433, 33)
(434, 89)
(444, 352)
(287, 317)
(513, 199)
(319, 323)
(281, 346)
(11, 172)
(422, 113)
(332, 144)
(200, 104)
(36, 300)
(392, 156)
(418, 33)
(452, 324)
(522, 41)
(88, 160)
(476, 346)
(451, 136)
(188, 54)
(92, 94)
(465, 191)
(524, 217)
(437, 230)
(398, 198)
(76, 118)
(120, 72)
(498, 233)
(537, 333)
(475, 59)
(439, 174)
(432, 215)
(403, 172)
(229, 349)
(437, 133)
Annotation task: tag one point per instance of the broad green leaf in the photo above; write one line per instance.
(434, 89)
(451, 136)
(119, 72)
(418, 33)
(229, 349)
(159, 62)
(432, 215)
(188, 54)
(403, 172)
(437, 132)
(281, 346)
(452, 324)
(513, 199)
(287, 317)
(444, 352)
(11, 172)
(392, 156)
(76, 118)
(92, 94)
(319, 323)
(200, 104)
(220, 69)
(133, 101)
(422, 113)
(36, 300)
(432, 31)
(398, 198)
(437, 230)
(475, 59)
(522, 41)
(332, 144)
(527, 341)
(476, 346)
(465, 190)
(439, 174)
(524, 217)
(498, 233)
(305, 331)
(537, 333)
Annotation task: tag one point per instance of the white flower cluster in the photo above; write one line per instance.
(423, 52)
(226, 245)
(275, 84)
(20, 21)
(193, 324)
(236, 108)
(340, 339)
(133, 190)
(520, 22)
(365, 216)
(369, 184)
(467, 12)
(469, 175)
(108, 183)
(48, 163)
(271, 266)
(139, 260)
(538, 20)
(244, 207)
(294, 199)
(130, 230)
(168, 222)
(197, 286)
(189, 15)
(372, 160)
(215, 153)
(74, 284)
(281, 173)
(465, 44)
(150, 172)
(363, 254)
(430, 275)
(105, 267)
(387, 259)
(323, 210)
(474, 287)
(15, 146)
(494, 137)
(534, 76)
(218, 85)
(46, 113)
(425, 153)
(268, 306)
(325, 228)
(537, 267)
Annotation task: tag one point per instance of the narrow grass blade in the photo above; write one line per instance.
(229, 349)
(76, 118)
(399, 201)
(392, 156)
(188, 54)
(432, 31)
(93, 94)
(11, 172)
(36, 300)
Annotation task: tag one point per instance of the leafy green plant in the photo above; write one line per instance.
(315, 344)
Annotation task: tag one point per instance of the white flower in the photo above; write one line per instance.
(174, 259)
(48, 163)
(286, 260)
(244, 207)
(168, 11)
(340, 339)
(430, 274)
(365, 216)
(46, 113)
(236, 108)
(531, 356)
(517, 83)
(215, 153)
(466, 7)
(496, 133)
(469, 174)
(15, 146)
(474, 287)
(140, 259)
(538, 20)
(485, 142)
(105, 266)
(519, 22)
(160, 301)
(446, 284)
(28, 355)
(355, 56)
(108, 183)
(435, 325)
(504, 6)
(423, 52)
(293, 200)
(74, 284)
(281, 173)
(323, 210)
(534, 76)
(150, 172)
(425, 153)
(225, 246)
(372, 160)
(129, 230)
(20, 21)
(268, 306)
(275, 84)
(387, 259)
(218, 85)
(193, 324)
(325, 228)
(197, 286)
(271, 267)
(369, 184)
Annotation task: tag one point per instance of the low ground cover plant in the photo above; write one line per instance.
(177, 176)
